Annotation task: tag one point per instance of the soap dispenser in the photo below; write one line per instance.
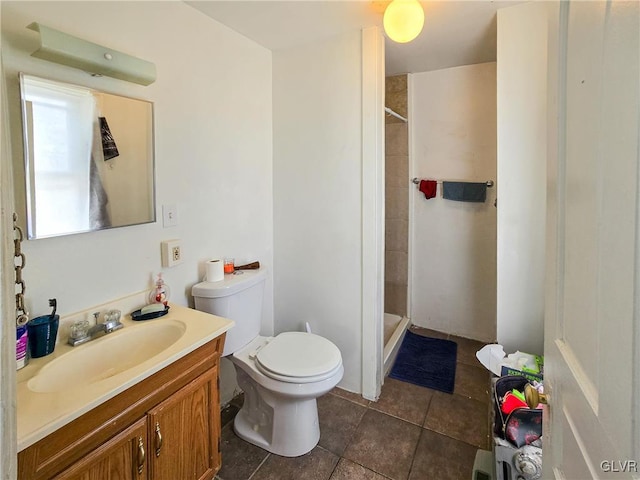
(160, 293)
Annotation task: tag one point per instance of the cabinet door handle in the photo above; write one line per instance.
(158, 439)
(141, 455)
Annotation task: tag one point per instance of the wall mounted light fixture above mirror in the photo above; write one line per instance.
(59, 47)
(88, 156)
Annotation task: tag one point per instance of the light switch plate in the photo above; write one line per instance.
(170, 215)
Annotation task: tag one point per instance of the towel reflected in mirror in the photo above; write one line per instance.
(98, 199)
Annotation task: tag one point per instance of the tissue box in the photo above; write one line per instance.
(530, 366)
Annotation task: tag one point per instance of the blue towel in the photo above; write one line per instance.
(464, 191)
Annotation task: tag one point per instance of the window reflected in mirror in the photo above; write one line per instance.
(88, 158)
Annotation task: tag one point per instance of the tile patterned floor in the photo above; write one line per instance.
(410, 433)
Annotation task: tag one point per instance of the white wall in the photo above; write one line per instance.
(522, 151)
(215, 132)
(453, 244)
(317, 175)
(213, 148)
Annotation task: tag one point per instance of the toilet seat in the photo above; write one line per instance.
(281, 376)
(298, 357)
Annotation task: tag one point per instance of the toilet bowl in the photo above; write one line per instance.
(281, 376)
(280, 413)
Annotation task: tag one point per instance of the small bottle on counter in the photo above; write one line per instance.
(22, 344)
(160, 293)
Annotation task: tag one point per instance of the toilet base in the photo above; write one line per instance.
(279, 424)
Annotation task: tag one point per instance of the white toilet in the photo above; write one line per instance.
(281, 376)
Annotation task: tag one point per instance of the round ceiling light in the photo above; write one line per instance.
(403, 20)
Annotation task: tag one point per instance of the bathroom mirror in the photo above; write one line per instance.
(88, 156)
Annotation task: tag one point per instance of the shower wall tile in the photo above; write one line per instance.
(395, 84)
(396, 97)
(396, 139)
(395, 265)
(397, 235)
(396, 196)
(395, 298)
(396, 170)
(397, 203)
(396, 101)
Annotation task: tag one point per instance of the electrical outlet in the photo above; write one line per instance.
(171, 253)
(175, 253)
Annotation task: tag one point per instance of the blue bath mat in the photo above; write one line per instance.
(425, 361)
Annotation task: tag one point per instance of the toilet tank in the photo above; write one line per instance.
(237, 297)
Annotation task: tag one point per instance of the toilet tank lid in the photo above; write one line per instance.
(232, 283)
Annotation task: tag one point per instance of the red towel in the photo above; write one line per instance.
(429, 188)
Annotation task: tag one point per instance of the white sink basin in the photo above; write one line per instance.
(105, 357)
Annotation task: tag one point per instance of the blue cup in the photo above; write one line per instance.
(42, 333)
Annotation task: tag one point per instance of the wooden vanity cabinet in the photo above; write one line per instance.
(167, 427)
(122, 457)
(182, 444)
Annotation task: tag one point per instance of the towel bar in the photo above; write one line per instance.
(417, 181)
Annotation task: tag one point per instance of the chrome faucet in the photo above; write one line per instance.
(81, 333)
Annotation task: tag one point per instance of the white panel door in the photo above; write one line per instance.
(593, 246)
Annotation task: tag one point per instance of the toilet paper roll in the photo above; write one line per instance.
(214, 270)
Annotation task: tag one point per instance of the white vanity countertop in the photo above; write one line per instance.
(39, 414)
